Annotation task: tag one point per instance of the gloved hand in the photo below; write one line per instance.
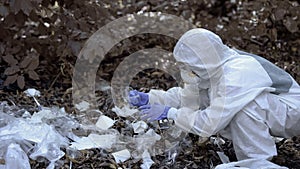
(154, 112)
(137, 98)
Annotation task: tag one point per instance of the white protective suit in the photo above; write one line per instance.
(239, 95)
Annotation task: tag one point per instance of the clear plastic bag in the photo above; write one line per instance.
(16, 157)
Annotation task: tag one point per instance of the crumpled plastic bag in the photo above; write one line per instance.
(34, 134)
(47, 141)
(147, 161)
(125, 111)
(15, 158)
(250, 164)
(49, 148)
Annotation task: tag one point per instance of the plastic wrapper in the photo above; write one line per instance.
(104, 141)
(172, 137)
(104, 122)
(49, 147)
(143, 142)
(57, 117)
(33, 93)
(16, 157)
(224, 158)
(125, 111)
(82, 106)
(139, 126)
(121, 156)
(172, 152)
(147, 161)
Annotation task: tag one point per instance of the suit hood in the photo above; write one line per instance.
(203, 52)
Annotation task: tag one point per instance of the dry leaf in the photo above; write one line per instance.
(25, 62)
(33, 75)
(34, 64)
(24, 5)
(3, 11)
(291, 25)
(21, 82)
(10, 80)
(11, 70)
(10, 60)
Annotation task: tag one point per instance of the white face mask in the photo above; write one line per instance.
(189, 75)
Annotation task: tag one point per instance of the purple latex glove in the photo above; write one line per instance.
(137, 98)
(154, 112)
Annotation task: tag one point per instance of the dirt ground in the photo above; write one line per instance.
(269, 28)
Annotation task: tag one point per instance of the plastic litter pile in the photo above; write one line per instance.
(39, 136)
(45, 135)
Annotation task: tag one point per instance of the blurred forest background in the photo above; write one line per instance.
(40, 41)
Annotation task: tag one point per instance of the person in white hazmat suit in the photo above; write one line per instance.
(240, 95)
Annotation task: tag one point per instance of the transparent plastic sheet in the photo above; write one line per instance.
(104, 141)
(141, 146)
(147, 161)
(173, 138)
(49, 147)
(34, 136)
(59, 119)
(5, 141)
(16, 157)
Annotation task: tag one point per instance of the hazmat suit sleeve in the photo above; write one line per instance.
(170, 97)
(191, 95)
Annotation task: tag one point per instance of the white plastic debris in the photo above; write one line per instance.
(95, 141)
(277, 139)
(124, 111)
(146, 141)
(36, 137)
(224, 158)
(147, 161)
(152, 134)
(139, 126)
(250, 164)
(44, 113)
(32, 92)
(121, 156)
(16, 157)
(104, 122)
(58, 118)
(217, 141)
(82, 106)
